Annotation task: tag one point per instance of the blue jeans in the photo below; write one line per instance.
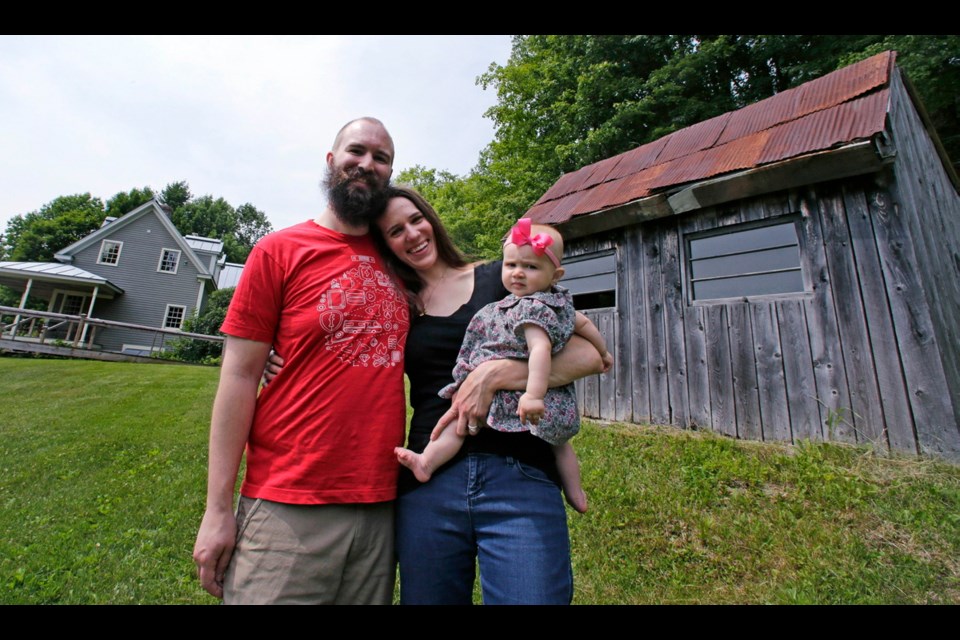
(508, 515)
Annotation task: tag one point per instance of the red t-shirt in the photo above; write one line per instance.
(325, 428)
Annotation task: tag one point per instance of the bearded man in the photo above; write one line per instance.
(314, 521)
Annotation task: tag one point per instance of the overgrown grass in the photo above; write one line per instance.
(102, 469)
(680, 517)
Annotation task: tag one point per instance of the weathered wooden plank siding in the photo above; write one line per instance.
(621, 344)
(695, 332)
(634, 299)
(928, 212)
(744, 365)
(723, 411)
(656, 338)
(853, 358)
(866, 416)
(674, 305)
(824, 336)
(607, 387)
(588, 398)
(771, 382)
(898, 421)
(933, 417)
(798, 372)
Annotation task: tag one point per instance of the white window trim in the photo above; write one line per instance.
(166, 315)
(103, 244)
(176, 265)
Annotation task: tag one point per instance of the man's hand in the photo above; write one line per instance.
(214, 548)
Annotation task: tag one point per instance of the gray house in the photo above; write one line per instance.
(135, 269)
(787, 271)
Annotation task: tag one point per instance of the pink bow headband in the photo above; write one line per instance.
(520, 235)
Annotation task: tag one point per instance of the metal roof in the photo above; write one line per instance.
(839, 108)
(229, 275)
(54, 272)
(199, 243)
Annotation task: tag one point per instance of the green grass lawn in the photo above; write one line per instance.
(102, 476)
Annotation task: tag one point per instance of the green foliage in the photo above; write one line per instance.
(475, 227)
(127, 201)
(176, 194)
(239, 228)
(38, 235)
(207, 323)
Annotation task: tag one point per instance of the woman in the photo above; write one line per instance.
(498, 501)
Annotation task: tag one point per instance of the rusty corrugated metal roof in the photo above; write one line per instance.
(841, 107)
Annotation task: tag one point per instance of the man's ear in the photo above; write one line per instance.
(330, 159)
(558, 274)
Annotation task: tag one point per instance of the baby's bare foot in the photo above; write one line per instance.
(414, 462)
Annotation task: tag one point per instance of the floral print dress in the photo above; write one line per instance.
(496, 332)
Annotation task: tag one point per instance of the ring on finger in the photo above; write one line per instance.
(473, 429)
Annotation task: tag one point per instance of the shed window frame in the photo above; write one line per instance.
(165, 262)
(790, 286)
(110, 252)
(592, 277)
(168, 316)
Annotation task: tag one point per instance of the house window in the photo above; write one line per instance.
(169, 261)
(738, 262)
(110, 252)
(592, 280)
(174, 316)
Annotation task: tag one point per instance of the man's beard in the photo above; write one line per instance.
(355, 206)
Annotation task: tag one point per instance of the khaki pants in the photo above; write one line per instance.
(311, 554)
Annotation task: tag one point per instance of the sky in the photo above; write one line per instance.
(248, 119)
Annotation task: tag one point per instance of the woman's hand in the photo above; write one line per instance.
(471, 404)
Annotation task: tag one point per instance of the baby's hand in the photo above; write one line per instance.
(531, 409)
(607, 361)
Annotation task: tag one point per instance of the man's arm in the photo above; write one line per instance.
(472, 402)
(229, 429)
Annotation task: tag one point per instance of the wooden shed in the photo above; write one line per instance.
(788, 271)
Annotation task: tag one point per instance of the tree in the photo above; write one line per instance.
(176, 194)
(207, 323)
(127, 201)
(38, 235)
(251, 225)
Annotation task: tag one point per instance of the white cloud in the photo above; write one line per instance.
(245, 118)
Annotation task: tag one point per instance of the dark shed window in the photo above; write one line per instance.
(592, 280)
(739, 262)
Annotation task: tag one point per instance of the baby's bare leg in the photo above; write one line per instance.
(436, 453)
(569, 468)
